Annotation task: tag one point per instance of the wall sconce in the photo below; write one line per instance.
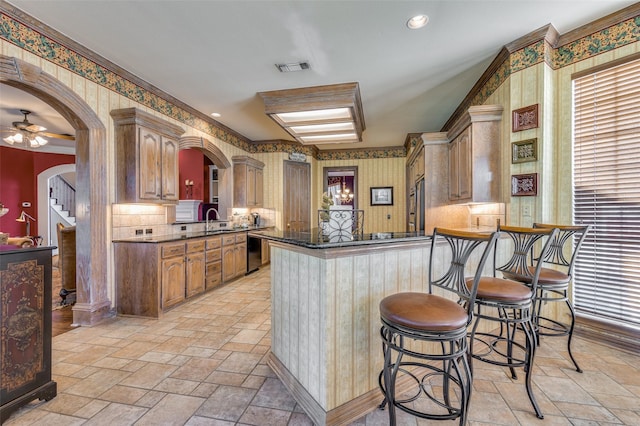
(318, 115)
(24, 217)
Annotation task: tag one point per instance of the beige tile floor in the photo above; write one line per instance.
(204, 363)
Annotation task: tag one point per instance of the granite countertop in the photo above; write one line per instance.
(185, 235)
(315, 240)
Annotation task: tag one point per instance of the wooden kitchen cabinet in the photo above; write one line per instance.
(460, 167)
(146, 157)
(172, 275)
(195, 268)
(475, 155)
(234, 256)
(248, 182)
(213, 257)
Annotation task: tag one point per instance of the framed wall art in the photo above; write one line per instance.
(524, 151)
(525, 118)
(382, 196)
(524, 185)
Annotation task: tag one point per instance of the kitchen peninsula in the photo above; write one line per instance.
(325, 322)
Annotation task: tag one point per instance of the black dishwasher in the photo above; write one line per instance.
(254, 253)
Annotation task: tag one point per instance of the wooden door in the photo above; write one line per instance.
(173, 281)
(195, 273)
(464, 164)
(149, 183)
(169, 169)
(297, 196)
(241, 259)
(228, 262)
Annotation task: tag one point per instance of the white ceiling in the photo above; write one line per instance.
(217, 55)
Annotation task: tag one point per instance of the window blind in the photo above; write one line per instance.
(607, 193)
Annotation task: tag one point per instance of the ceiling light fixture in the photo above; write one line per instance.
(318, 115)
(22, 136)
(216, 114)
(294, 66)
(417, 21)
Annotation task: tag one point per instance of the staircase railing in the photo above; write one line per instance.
(64, 193)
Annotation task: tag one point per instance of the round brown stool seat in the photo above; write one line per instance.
(426, 369)
(423, 312)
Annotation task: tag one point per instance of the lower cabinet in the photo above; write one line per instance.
(195, 268)
(213, 257)
(153, 277)
(234, 256)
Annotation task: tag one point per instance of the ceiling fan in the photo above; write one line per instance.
(32, 134)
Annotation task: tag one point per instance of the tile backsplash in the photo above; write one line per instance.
(129, 218)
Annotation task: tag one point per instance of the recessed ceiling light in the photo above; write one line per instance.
(417, 21)
(216, 114)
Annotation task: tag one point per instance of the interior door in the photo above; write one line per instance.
(297, 196)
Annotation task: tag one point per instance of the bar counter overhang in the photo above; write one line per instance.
(325, 320)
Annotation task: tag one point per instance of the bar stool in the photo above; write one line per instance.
(509, 303)
(431, 331)
(553, 284)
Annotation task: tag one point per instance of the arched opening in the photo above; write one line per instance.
(93, 240)
(45, 226)
(223, 176)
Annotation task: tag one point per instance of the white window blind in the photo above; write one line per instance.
(607, 193)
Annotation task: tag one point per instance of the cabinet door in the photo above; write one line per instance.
(149, 183)
(241, 259)
(264, 251)
(170, 169)
(228, 263)
(259, 188)
(464, 164)
(251, 186)
(173, 281)
(454, 167)
(195, 273)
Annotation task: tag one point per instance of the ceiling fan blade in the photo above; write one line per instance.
(34, 128)
(58, 136)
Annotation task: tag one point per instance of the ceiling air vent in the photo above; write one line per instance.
(295, 66)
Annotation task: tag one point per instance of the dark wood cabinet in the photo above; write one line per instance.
(248, 185)
(146, 157)
(25, 328)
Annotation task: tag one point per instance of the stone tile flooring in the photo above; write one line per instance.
(204, 363)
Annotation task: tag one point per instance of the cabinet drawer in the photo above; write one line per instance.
(172, 250)
(214, 268)
(195, 246)
(228, 240)
(241, 237)
(213, 243)
(214, 255)
(214, 281)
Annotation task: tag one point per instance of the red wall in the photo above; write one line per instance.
(19, 171)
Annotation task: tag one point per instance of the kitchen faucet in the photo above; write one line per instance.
(207, 216)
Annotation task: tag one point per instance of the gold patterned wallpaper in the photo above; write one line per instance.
(30, 39)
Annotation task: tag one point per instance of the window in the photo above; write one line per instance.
(607, 193)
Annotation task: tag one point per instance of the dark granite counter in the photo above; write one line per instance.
(184, 235)
(315, 240)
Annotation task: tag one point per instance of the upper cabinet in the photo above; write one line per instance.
(474, 156)
(247, 182)
(146, 157)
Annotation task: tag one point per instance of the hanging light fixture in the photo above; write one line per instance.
(27, 133)
(344, 194)
(21, 137)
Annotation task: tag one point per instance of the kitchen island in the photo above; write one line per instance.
(325, 322)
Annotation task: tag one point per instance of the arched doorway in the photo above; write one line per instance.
(92, 236)
(44, 226)
(217, 157)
